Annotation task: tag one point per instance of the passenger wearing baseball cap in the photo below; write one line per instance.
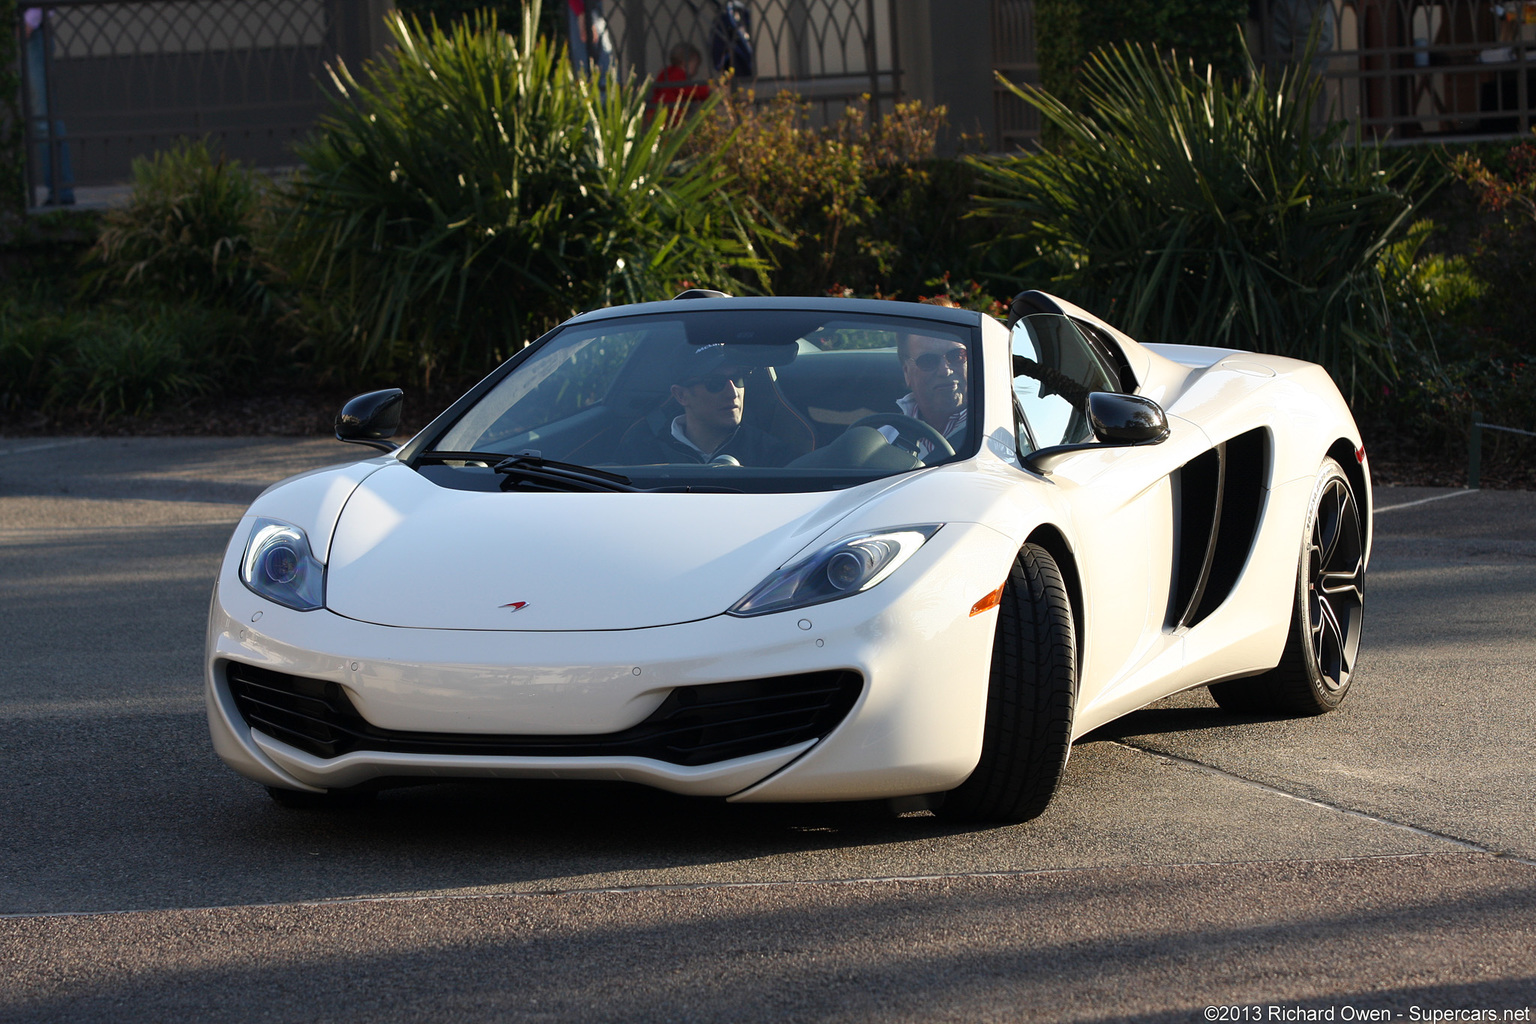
(711, 389)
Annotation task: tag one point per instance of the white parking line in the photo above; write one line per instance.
(45, 447)
(1424, 501)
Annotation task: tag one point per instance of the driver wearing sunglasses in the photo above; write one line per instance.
(936, 371)
(711, 389)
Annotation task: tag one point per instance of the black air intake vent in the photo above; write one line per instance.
(1219, 498)
(695, 725)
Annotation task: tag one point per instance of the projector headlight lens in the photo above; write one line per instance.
(850, 566)
(279, 565)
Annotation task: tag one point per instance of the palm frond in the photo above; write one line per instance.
(1194, 209)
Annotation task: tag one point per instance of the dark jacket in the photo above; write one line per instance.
(748, 446)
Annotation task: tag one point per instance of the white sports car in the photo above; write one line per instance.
(796, 550)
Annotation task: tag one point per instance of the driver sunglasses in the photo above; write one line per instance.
(928, 362)
(715, 385)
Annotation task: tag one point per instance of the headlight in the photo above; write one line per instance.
(848, 567)
(279, 566)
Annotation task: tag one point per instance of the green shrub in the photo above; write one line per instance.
(118, 367)
(196, 228)
(1500, 243)
(1439, 286)
(1188, 209)
(24, 358)
(106, 361)
(1475, 290)
(856, 206)
(1441, 399)
(41, 251)
(507, 13)
(470, 192)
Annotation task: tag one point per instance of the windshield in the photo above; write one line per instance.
(752, 400)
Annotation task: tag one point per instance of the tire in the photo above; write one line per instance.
(1327, 610)
(330, 800)
(1031, 695)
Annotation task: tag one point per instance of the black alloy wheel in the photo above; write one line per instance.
(1321, 648)
(1335, 585)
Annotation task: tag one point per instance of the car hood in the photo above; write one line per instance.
(407, 552)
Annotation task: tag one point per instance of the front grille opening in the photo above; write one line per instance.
(695, 725)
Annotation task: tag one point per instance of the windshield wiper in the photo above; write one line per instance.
(530, 467)
(489, 458)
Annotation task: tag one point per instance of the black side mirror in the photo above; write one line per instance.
(1118, 421)
(1126, 419)
(370, 418)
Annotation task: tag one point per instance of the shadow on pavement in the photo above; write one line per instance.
(1131, 944)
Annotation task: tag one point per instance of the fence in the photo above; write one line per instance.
(828, 51)
(122, 77)
(107, 80)
(1409, 69)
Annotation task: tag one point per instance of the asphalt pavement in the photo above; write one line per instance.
(1375, 860)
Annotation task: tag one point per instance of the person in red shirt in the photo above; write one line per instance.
(684, 63)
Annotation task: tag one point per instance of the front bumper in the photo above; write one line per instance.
(915, 726)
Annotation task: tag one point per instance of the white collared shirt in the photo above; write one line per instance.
(908, 406)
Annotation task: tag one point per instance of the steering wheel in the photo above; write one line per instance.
(910, 428)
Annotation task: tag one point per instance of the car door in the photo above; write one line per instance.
(1122, 502)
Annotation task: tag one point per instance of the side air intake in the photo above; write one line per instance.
(1219, 496)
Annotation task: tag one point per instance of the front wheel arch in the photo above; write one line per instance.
(1343, 451)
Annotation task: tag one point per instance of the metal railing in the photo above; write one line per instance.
(105, 81)
(1408, 69)
(829, 51)
(1475, 447)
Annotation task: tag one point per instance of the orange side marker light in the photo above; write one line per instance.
(989, 602)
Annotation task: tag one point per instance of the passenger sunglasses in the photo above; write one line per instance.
(715, 385)
(928, 362)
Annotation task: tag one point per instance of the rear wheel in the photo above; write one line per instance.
(1319, 659)
(1030, 699)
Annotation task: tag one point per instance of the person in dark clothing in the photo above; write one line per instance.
(47, 130)
(590, 41)
(711, 391)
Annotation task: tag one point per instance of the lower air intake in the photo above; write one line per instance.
(695, 725)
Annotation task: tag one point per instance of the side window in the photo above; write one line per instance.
(1055, 368)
